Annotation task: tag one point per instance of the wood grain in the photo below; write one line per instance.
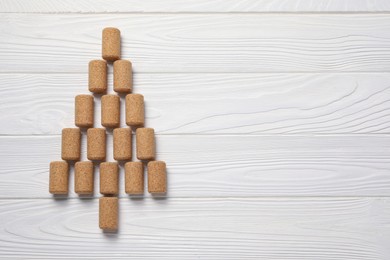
(199, 42)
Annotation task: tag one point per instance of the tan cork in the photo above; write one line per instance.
(157, 177)
(59, 177)
(111, 44)
(97, 76)
(134, 178)
(135, 110)
(84, 110)
(109, 178)
(96, 144)
(108, 213)
(122, 144)
(146, 145)
(110, 111)
(83, 177)
(123, 76)
(71, 139)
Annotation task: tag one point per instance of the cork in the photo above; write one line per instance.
(96, 144)
(145, 141)
(59, 176)
(157, 177)
(110, 111)
(135, 111)
(122, 144)
(71, 139)
(84, 110)
(83, 177)
(123, 77)
(111, 44)
(97, 76)
(108, 213)
(109, 179)
(134, 178)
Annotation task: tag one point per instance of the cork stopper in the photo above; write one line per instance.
(97, 76)
(109, 179)
(135, 110)
(157, 177)
(145, 142)
(108, 213)
(83, 178)
(110, 111)
(71, 140)
(111, 44)
(59, 176)
(84, 110)
(134, 178)
(122, 144)
(123, 76)
(96, 144)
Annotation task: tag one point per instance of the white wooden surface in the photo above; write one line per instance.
(273, 118)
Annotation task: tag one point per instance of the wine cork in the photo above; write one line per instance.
(59, 176)
(157, 177)
(111, 44)
(71, 139)
(110, 111)
(84, 110)
(122, 144)
(96, 144)
(135, 111)
(83, 183)
(134, 178)
(109, 178)
(108, 213)
(97, 76)
(146, 147)
(123, 77)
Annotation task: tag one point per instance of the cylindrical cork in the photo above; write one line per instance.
(134, 178)
(123, 77)
(97, 76)
(111, 44)
(84, 111)
(122, 144)
(59, 177)
(146, 144)
(157, 177)
(110, 111)
(71, 140)
(135, 111)
(96, 144)
(108, 213)
(109, 178)
(83, 183)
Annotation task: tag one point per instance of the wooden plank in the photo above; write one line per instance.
(199, 42)
(278, 228)
(225, 166)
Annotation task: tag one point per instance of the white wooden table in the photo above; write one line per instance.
(273, 118)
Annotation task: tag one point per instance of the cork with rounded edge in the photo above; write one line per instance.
(108, 213)
(145, 142)
(157, 177)
(111, 44)
(97, 76)
(122, 144)
(110, 111)
(135, 110)
(109, 178)
(83, 183)
(96, 144)
(134, 178)
(59, 177)
(84, 106)
(71, 140)
(123, 76)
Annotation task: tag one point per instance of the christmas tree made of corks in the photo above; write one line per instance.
(96, 138)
